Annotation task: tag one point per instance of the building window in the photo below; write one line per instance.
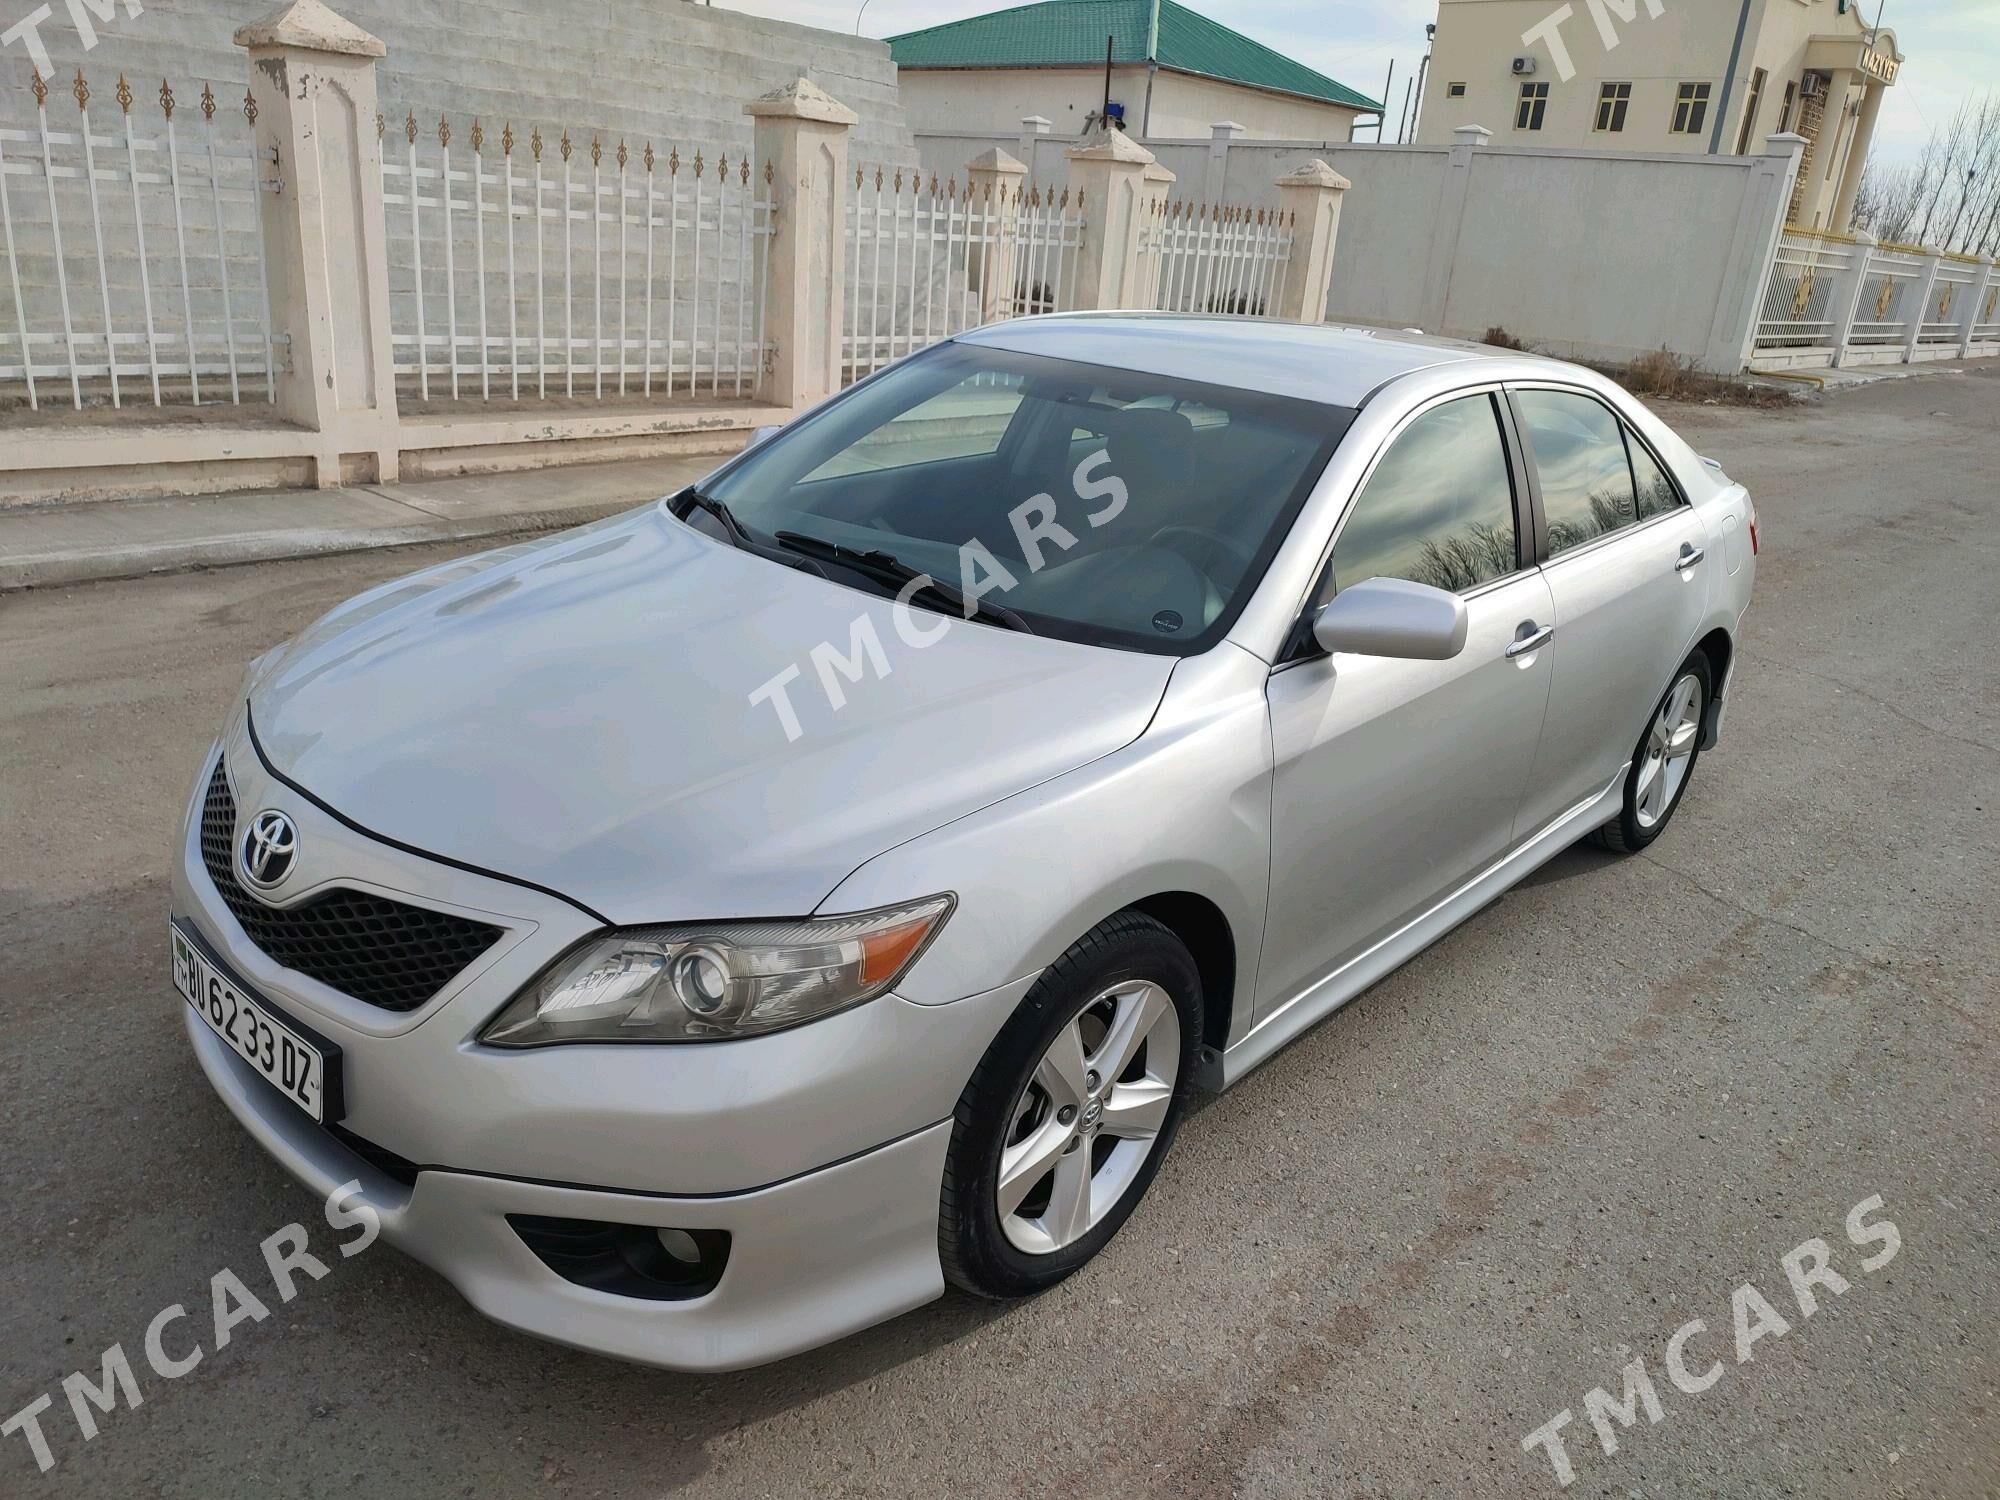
(1533, 106)
(1791, 103)
(1690, 109)
(1454, 91)
(1612, 101)
(1750, 108)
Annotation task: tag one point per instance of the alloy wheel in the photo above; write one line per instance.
(1669, 751)
(1089, 1117)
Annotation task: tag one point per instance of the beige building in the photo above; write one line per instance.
(1582, 75)
(1175, 73)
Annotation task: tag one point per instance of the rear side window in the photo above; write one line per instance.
(1657, 494)
(1439, 508)
(1580, 455)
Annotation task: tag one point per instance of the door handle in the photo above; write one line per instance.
(1690, 555)
(1534, 642)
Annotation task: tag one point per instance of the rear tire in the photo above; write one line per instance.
(1663, 761)
(1067, 1117)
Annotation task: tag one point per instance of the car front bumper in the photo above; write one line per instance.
(820, 1150)
(811, 1259)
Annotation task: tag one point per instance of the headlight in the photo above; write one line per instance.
(716, 980)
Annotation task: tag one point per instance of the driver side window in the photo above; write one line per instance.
(1439, 508)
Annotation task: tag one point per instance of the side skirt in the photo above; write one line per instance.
(1294, 1017)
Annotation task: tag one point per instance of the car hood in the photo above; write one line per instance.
(576, 713)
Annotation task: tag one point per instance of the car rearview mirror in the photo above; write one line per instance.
(1393, 617)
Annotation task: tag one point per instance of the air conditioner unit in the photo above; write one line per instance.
(1813, 86)
(1524, 66)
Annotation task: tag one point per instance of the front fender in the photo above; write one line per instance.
(1184, 808)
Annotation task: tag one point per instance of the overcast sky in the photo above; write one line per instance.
(1953, 46)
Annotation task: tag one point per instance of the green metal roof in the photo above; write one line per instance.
(1063, 33)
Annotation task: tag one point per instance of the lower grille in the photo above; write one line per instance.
(384, 953)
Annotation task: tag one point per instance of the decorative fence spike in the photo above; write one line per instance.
(648, 157)
(565, 146)
(596, 152)
(478, 135)
(81, 90)
(207, 103)
(410, 128)
(535, 142)
(444, 131)
(167, 99)
(623, 156)
(39, 87)
(250, 106)
(124, 95)
(507, 139)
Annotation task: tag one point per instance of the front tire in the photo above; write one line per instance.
(1663, 762)
(1066, 1119)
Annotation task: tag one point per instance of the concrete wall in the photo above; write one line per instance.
(667, 70)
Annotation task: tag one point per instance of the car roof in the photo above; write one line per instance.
(1337, 366)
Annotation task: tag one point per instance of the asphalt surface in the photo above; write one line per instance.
(1371, 1270)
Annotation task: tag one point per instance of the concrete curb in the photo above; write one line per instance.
(102, 564)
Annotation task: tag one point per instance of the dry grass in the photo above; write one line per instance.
(1667, 377)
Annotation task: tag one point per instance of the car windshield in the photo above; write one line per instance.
(1100, 505)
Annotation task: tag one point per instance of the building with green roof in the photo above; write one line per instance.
(1175, 73)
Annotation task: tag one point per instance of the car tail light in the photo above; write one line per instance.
(1753, 530)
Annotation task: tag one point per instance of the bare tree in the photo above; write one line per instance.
(1949, 198)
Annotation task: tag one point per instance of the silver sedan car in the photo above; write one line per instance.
(709, 932)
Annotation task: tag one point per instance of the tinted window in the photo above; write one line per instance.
(1580, 454)
(1657, 494)
(1115, 507)
(1439, 508)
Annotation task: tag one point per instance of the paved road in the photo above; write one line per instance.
(1524, 1159)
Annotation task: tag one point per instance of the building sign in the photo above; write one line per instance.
(1881, 66)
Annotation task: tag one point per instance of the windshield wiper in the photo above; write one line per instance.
(732, 528)
(886, 567)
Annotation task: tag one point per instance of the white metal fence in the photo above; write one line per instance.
(1202, 257)
(925, 262)
(134, 265)
(588, 273)
(1831, 298)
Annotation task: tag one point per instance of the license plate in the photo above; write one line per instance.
(293, 1066)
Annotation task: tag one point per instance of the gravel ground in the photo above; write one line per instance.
(1524, 1160)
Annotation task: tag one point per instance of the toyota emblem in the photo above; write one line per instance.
(270, 848)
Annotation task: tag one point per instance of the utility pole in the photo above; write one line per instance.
(1152, 67)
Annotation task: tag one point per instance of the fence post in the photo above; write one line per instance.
(1753, 255)
(1033, 127)
(1467, 140)
(1844, 301)
(995, 176)
(319, 209)
(1310, 197)
(1926, 287)
(1976, 298)
(1215, 180)
(1110, 173)
(801, 131)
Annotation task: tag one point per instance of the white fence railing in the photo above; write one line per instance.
(587, 272)
(1832, 299)
(925, 262)
(134, 265)
(1201, 257)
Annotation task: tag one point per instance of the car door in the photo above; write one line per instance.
(1624, 556)
(1397, 780)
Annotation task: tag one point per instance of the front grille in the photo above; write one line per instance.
(382, 952)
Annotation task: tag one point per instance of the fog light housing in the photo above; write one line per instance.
(627, 1260)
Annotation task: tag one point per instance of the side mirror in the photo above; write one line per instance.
(1393, 617)
(762, 434)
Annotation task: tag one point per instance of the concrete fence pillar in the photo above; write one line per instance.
(801, 130)
(994, 178)
(1844, 301)
(1310, 198)
(1215, 177)
(1753, 253)
(1033, 129)
(1466, 143)
(319, 209)
(1110, 172)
